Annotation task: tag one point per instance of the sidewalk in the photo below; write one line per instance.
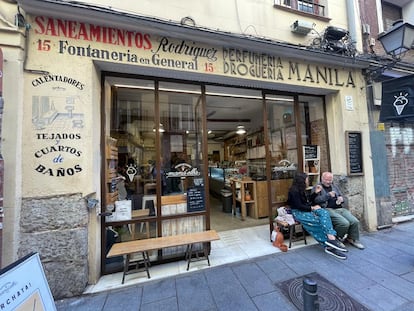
(381, 277)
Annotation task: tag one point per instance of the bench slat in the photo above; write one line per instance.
(125, 248)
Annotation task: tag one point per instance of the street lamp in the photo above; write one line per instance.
(397, 40)
(397, 94)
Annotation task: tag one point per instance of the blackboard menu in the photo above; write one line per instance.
(311, 152)
(354, 153)
(195, 199)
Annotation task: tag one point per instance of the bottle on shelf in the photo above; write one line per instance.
(247, 196)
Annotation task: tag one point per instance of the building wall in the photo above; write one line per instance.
(259, 18)
(53, 138)
(390, 154)
(60, 238)
(11, 43)
(400, 156)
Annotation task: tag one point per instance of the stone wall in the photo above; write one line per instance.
(352, 188)
(57, 228)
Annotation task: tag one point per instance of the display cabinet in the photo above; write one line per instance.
(262, 199)
(244, 191)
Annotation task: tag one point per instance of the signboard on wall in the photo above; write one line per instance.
(24, 286)
(354, 153)
(398, 100)
(311, 152)
(67, 40)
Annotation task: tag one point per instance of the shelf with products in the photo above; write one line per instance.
(256, 145)
(235, 148)
(244, 191)
(111, 175)
(311, 163)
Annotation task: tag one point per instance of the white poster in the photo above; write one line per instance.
(24, 287)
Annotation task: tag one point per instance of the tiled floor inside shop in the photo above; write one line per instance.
(221, 221)
(239, 240)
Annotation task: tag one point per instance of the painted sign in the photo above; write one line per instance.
(183, 170)
(65, 38)
(57, 121)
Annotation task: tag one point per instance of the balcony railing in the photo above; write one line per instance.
(307, 6)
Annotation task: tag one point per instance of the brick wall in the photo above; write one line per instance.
(400, 157)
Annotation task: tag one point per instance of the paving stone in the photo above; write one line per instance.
(193, 293)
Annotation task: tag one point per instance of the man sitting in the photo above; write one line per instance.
(345, 224)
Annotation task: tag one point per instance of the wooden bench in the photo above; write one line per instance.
(144, 246)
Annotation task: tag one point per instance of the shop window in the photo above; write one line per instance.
(314, 7)
(286, 147)
(390, 14)
(152, 188)
(181, 116)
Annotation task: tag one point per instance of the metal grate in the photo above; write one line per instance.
(330, 297)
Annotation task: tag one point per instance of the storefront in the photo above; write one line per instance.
(126, 109)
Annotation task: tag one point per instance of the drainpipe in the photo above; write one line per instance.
(351, 6)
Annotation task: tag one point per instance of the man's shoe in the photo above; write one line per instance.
(336, 244)
(343, 239)
(356, 243)
(333, 252)
(342, 245)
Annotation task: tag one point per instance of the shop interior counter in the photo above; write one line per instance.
(216, 180)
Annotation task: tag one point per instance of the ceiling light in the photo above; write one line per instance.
(160, 128)
(241, 130)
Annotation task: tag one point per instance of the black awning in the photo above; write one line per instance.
(397, 102)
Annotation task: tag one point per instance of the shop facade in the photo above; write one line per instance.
(109, 100)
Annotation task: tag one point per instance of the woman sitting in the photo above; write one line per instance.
(314, 219)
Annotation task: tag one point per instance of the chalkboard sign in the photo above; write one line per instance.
(310, 152)
(354, 153)
(195, 199)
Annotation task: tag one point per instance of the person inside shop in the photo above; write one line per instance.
(164, 189)
(331, 198)
(315, 220)
(175, 182)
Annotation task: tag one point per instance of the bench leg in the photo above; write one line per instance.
(304, 235)
(146, 262)
(126, 265)
(291, 230)
(189, 254)
(205, 247)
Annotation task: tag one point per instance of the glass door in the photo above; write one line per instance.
(153, 170)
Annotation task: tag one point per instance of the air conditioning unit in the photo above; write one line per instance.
(302, 27)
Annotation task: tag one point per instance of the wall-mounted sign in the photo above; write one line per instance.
(398, 100)
(354, 153)
(310, 152)
(67, 38)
